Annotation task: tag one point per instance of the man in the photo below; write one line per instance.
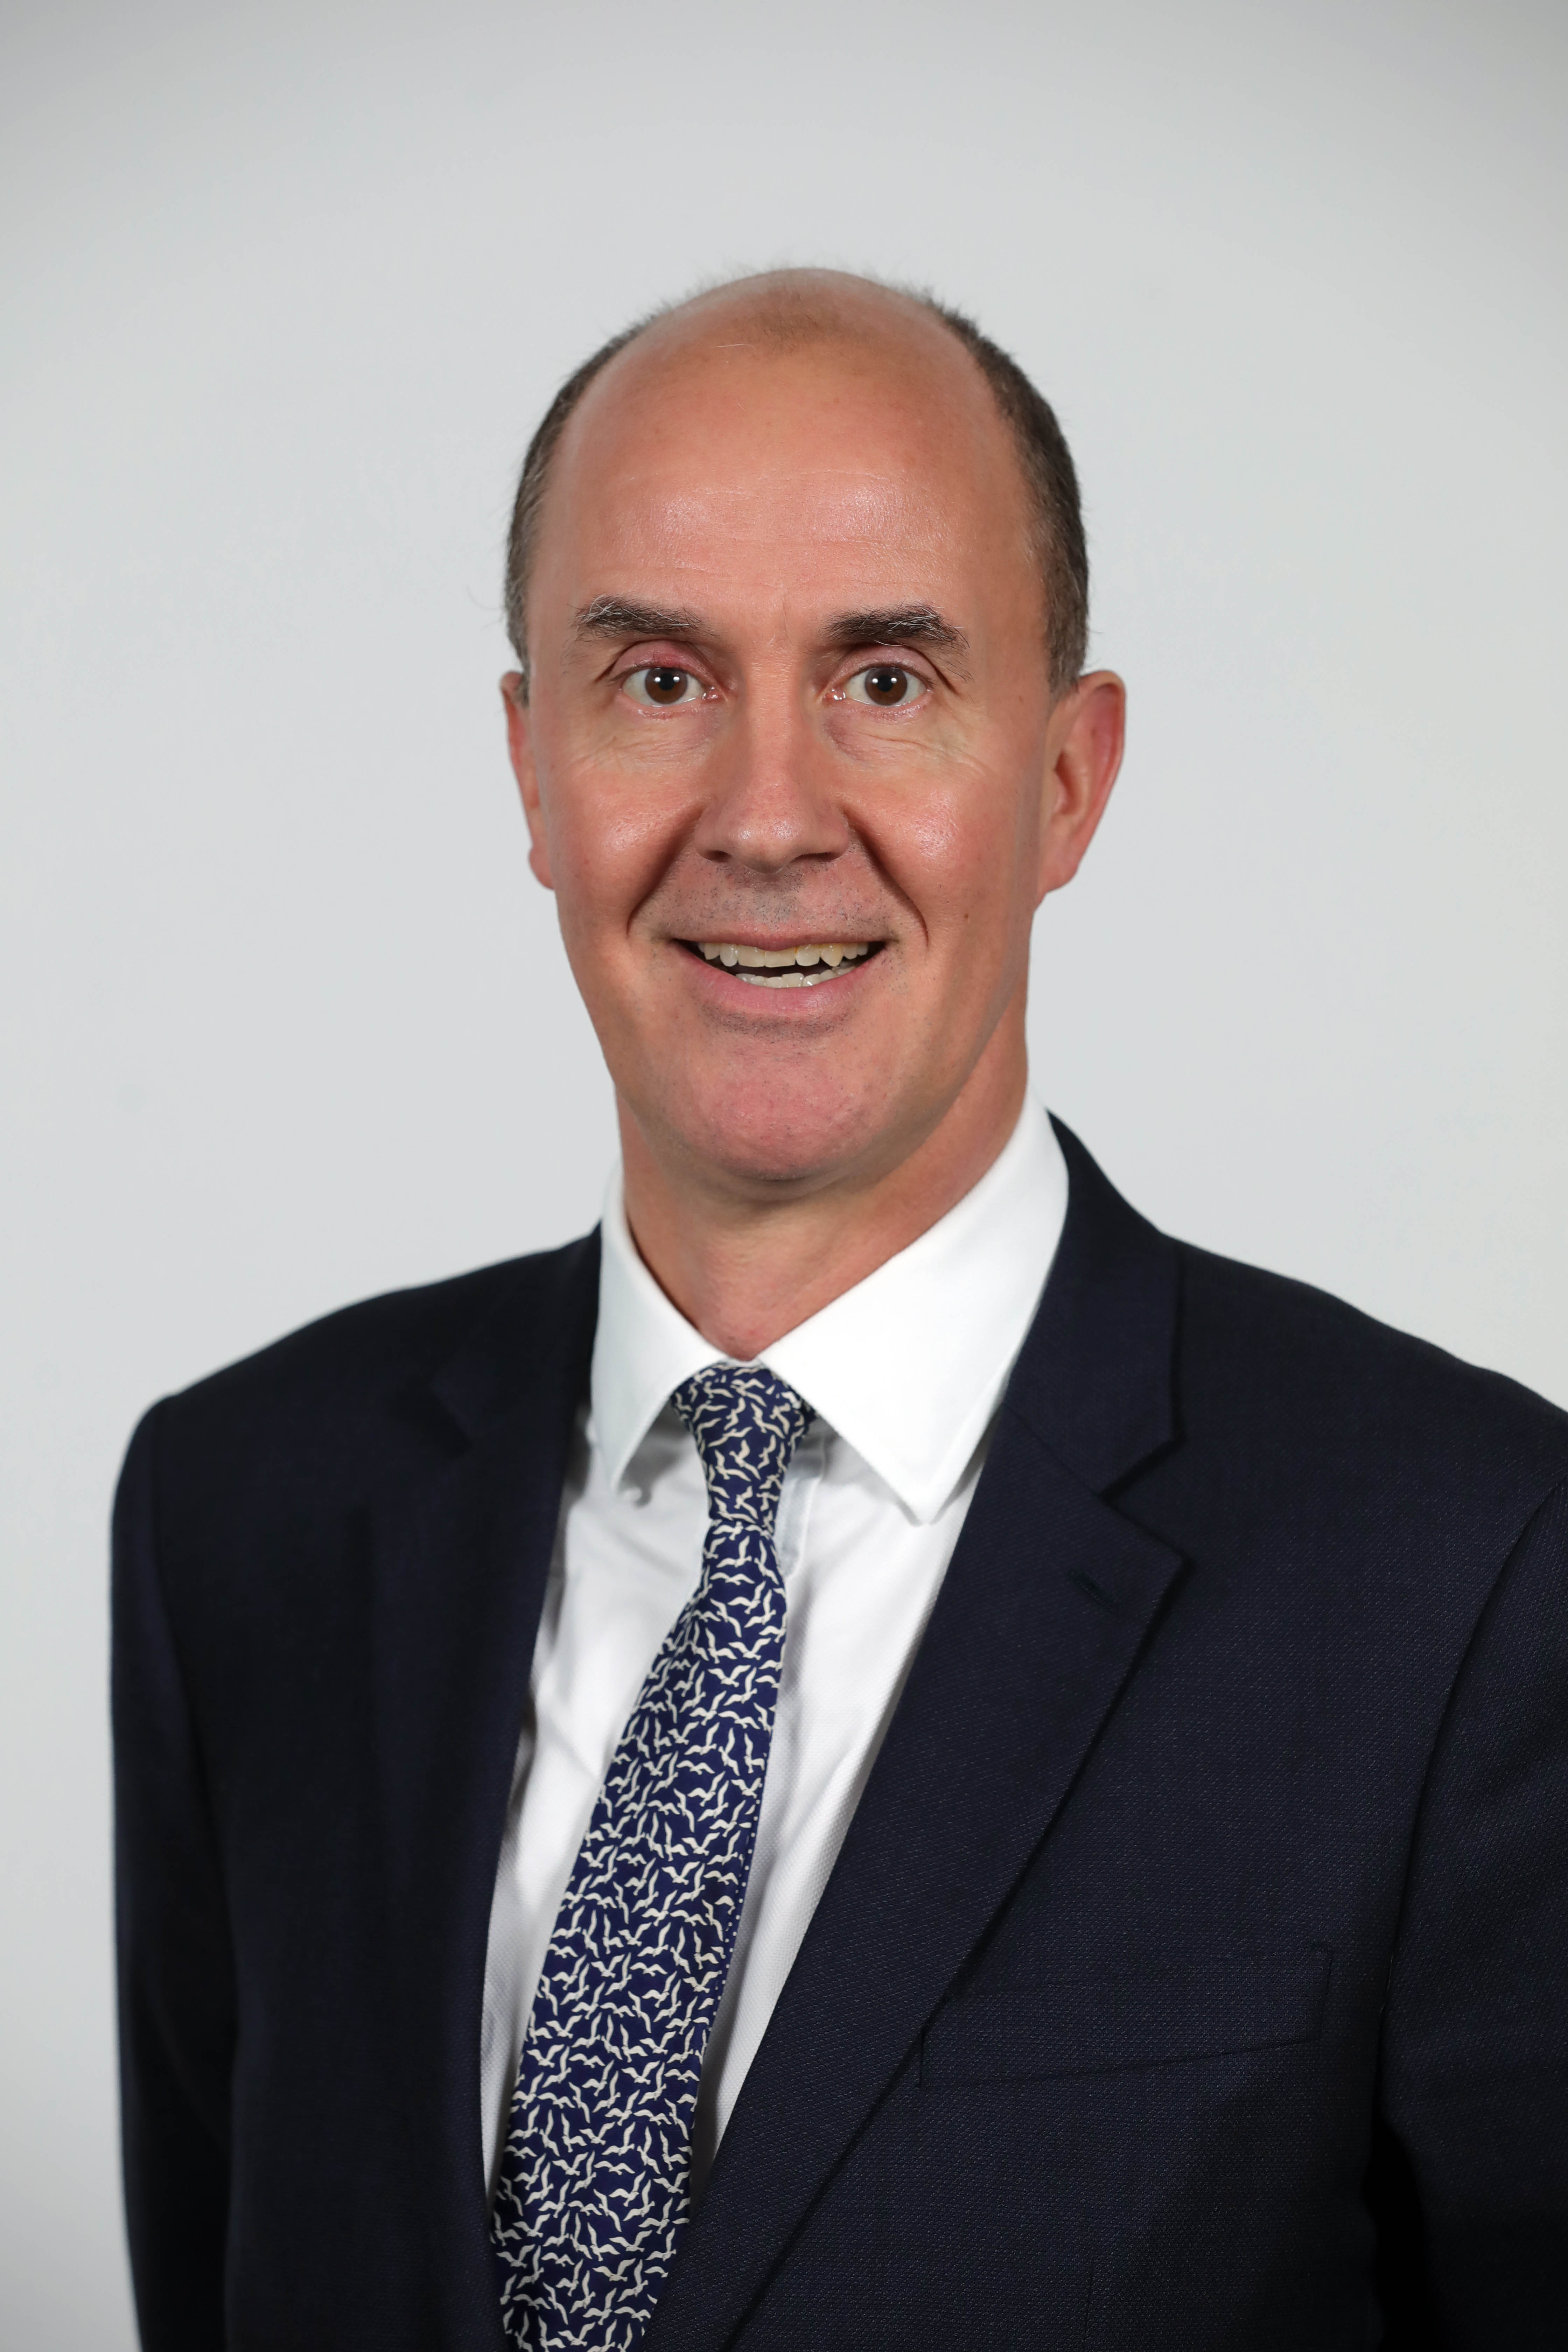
(876, 1755)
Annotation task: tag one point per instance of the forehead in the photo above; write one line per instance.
(875, 455)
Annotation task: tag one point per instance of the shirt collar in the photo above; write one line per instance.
(908, 1366)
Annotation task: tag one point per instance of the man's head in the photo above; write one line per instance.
(801, 674)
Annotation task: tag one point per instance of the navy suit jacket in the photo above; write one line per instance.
(1194, 1973)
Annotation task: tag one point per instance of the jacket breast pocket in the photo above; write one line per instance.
(1091, 2023)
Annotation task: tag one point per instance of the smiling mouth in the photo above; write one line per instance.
(805, 966)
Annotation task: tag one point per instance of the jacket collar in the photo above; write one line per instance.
(535, 1335)
(1096, 1378)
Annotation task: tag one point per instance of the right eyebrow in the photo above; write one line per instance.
(623, 622)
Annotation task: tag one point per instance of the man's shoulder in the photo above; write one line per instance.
(1286, 1365)
(1274, 1392)
(361, 1388)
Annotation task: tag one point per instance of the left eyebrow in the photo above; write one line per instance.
(900, 625)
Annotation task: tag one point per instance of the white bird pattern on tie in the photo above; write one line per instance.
(592, 2198)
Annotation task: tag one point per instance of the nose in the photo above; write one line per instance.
(771, 801)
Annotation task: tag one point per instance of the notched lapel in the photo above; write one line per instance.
(461, 1558)
(1049, 1599)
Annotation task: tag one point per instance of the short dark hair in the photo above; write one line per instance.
(1043, 454)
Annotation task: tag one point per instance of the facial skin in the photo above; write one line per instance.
(789, 687)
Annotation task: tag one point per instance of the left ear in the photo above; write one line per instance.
(1088, 729)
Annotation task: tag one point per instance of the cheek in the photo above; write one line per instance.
(959, 853)
(608, 846)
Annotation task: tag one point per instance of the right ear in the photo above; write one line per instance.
(520, 743)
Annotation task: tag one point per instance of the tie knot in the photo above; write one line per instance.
(747, 1423)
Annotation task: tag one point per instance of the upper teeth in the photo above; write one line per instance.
(786, 967)
(780, 958)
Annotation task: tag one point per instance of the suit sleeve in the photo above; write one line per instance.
(175, 1971)
(1476, 2029)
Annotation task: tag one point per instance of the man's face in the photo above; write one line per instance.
(790, 758)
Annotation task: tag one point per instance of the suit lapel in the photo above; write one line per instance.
(1050, 1596)
(461, 1558)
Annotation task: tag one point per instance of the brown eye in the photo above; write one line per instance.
(885, 685)
(660, 686)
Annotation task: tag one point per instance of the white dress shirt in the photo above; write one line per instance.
(904, 1372)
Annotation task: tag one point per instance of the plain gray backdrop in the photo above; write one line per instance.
(288, 1021)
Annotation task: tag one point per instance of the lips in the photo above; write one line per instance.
(805, 965)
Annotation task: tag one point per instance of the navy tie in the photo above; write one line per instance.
(592, 2198)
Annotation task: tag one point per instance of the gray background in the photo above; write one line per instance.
(288, 1021)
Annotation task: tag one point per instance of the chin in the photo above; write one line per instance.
(785, 1138)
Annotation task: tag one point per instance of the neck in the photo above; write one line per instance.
(745, 1267)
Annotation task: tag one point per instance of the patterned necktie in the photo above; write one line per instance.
(593, 2190)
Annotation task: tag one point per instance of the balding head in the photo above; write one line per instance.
(910, 335)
